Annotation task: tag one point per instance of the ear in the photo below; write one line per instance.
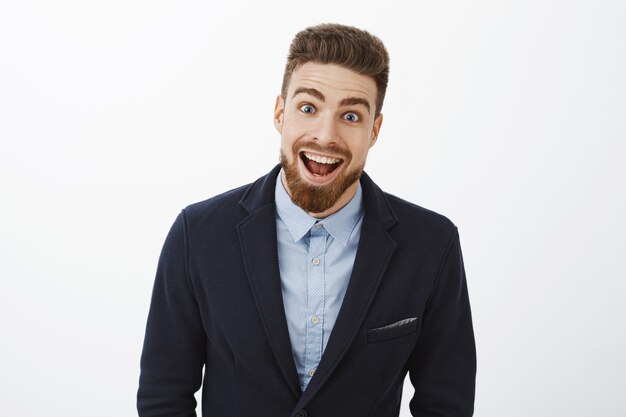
(279, 113)
(378, 122)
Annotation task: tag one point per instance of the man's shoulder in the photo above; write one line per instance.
(415, 218)
(233, 205)
(403, 215)
(221, 206)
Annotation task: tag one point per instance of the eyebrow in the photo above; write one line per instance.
(348, 101)
(310, 91)
(352, 101)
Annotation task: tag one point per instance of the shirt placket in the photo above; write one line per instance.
(315, 300)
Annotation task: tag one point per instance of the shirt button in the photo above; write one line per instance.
(315, 320)
(318, 225)
(311, 372)
(316, 261)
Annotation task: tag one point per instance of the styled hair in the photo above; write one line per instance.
(347, 46)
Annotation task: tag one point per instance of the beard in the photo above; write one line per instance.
(317, 198)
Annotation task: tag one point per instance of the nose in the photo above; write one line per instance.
(327, 130)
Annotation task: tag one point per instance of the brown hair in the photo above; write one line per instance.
(352, 48)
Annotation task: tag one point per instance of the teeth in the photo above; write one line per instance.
(322, 159)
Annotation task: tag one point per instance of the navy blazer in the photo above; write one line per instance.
(217, 303)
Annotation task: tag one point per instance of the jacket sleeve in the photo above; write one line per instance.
(442, 366)
(175, 342)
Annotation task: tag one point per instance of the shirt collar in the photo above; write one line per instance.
(340, 224)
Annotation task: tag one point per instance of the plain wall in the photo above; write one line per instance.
(506, 116)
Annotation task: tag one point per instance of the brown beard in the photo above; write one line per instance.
(317, 198)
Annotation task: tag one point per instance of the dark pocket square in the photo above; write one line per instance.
(393, 330)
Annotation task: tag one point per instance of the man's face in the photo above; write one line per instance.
(327, 126)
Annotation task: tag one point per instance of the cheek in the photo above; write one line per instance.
(359, 158)
(287, 140)
(290, 134)
(359, 146)
(285, 146)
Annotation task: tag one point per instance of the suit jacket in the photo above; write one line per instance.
(217, 303)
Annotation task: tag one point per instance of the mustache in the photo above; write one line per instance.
(345, 154)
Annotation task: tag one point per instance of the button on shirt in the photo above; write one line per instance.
(315, 257)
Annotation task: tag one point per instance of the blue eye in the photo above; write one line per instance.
(307, 108)
(351, 117)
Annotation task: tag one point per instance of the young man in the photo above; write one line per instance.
(311, 292)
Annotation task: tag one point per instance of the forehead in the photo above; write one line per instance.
(334, 81)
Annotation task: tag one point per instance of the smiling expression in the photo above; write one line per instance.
(327, 126)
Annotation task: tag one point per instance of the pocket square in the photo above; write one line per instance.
(396, 324)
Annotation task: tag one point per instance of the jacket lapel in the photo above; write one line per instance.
(374, 252)
(257, 238)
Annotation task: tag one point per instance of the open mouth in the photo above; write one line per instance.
(318, 165)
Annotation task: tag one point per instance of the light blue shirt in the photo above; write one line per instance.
(315, 257)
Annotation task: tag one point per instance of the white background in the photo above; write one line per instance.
(506, 116)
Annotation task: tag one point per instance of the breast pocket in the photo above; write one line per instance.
(394, 330)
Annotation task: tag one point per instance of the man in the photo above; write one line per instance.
(310, 292)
